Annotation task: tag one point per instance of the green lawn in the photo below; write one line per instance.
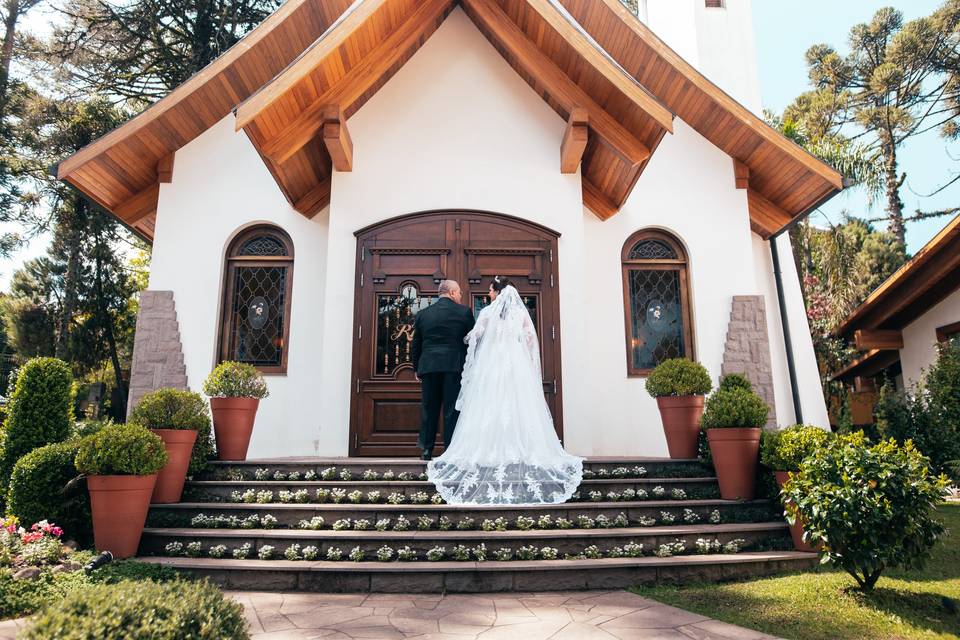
(825, 604)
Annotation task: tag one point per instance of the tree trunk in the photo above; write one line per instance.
(893, 184)
(70, 280)
(6, 52)
(107, 323)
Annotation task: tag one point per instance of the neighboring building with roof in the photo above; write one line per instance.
(306, 192)
(900, 324)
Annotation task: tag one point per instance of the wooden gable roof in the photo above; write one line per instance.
(296, 78)
(340, 71)
(926, 279)
(784, 182)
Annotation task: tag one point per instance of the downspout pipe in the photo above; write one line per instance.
(785, 323)
(782, 302)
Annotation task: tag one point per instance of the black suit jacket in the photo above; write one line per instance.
(438, 333)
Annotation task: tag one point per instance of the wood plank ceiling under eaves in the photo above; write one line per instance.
(313, 63)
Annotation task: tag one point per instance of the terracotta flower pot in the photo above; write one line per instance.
(119, 507)
(796, 529)
(735, 451)
(179, 444)
(233, 424)
(681, 423)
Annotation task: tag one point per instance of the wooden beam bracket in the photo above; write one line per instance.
(574, 140)
(337, 139)
(741, 174)
(165, 168)
(883, 339)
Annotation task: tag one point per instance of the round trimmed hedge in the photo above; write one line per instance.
(176, 610)
(178, 409)
(735, 381)
(735, 407)
(678, 377)
(125, 450)
(40, 412)
(235, 380)
(39, 491)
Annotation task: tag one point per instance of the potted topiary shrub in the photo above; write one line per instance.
(178, 417)
(679, 385)
(121, 464)
(235, 391)
(732, 417)
(782, 452)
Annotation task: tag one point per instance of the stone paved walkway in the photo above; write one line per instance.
(590, 615)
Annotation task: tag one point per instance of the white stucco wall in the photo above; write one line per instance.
(458, 128)
(920, 338)
(220, 186)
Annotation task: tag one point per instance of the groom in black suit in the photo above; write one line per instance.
(438, 353)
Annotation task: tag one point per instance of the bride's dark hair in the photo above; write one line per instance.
(500, 283)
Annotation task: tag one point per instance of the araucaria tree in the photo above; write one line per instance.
(889, 87)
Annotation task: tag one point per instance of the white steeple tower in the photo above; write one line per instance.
(716, 37)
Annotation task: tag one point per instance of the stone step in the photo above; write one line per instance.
(246, 469)
(567, 541)
(288, 515)
(221, 490)
(484, 577)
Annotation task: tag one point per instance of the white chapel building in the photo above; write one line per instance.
(306, 192)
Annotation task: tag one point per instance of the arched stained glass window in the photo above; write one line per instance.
(256, 313)
(656, 300)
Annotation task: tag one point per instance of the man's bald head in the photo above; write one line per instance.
(450, 289)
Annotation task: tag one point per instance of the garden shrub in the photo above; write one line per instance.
(85, 428)
(678, 377)
(121, 450)
(734, 407)
(178, 409)
(235, 380)
(39, 490)
(929, 415)
(870, 505)
(785, 449)
(735, 381)
(177, 610)
(40, 412)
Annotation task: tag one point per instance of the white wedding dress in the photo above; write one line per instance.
(504, 448)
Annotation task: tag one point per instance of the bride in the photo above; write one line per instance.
(504, 449)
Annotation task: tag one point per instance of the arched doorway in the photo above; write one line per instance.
(399, 265)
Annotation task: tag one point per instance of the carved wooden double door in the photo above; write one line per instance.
(400, 264)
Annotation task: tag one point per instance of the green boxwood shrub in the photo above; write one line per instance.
(177, 610)
(40, 489)
(126, 450)
(870, 505)
(734, 407)
(235, 380)
(785, 449)
(678, 377)
(40, 412)
(178, 409)
(929, 415)
(735, 381)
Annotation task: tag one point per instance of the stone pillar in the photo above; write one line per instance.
(157, 352)
(747, 349)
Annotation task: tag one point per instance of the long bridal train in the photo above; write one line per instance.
(504, 449)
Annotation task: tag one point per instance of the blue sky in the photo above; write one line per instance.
(783, 32)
